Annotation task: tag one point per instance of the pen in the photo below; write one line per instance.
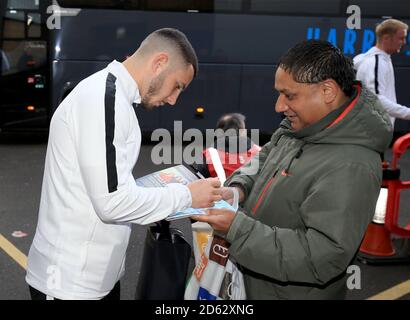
(200, 175)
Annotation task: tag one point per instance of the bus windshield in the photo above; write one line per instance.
(22, 47)
(24, 64)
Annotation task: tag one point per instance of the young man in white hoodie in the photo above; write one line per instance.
(375, 69)
(89, 197)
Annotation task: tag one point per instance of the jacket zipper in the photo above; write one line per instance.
(262, 195)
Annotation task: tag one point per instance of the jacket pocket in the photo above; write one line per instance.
(262, 194)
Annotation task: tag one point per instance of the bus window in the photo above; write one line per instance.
(160, 5)
(23, 55)
(296, 7)
(34, 25)
(101, 4)
(190, 5)
(195, 5)
(378, 8)
(228, 6)
(24, 64)
(23, 4)
(14, 24)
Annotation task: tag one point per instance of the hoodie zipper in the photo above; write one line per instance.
(262, 194)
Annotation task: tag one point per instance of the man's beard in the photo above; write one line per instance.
(153, 88)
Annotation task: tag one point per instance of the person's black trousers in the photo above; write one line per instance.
(113, 295)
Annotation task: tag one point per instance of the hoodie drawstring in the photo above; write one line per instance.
(296, 156)
(277, 140)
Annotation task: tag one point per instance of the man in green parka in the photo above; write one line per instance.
(312, 190)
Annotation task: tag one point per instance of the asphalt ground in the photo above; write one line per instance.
(21, 171)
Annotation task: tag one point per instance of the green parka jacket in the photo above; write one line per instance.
(310, 195)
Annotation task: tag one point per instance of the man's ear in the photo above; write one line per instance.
(386, 37)
(159, 63)
(329, 90)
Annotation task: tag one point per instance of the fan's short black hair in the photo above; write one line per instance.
(231, 121)
(313, 61)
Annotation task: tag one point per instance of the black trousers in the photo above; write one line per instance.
(114, 294)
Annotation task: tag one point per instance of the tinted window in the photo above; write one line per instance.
(103, 4)
(18, 56)
(23, 4)
(378, 8)
(285, 7)
(395, 8)
(188, 5)
(293, 7)
(196, 5)
(33, 25)
(160, 5)
(14, 24)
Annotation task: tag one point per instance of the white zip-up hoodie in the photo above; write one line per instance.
(375, 70)
(89, 197)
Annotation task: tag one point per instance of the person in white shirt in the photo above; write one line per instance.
(375, 69)
(89, 196)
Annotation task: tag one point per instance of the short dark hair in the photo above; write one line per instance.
(183, 46)
(313, 61)
(231, 121)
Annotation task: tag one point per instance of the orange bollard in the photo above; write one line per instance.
(377, 245)
(377, 241)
